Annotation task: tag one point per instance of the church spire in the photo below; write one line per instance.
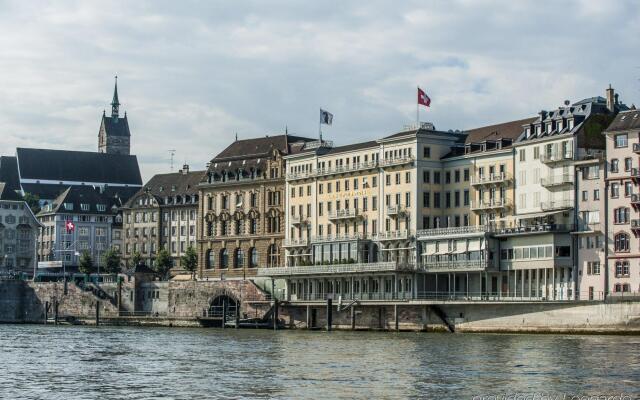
(115, 104)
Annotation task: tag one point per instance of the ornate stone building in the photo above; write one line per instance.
(162, 215)
(241, 223)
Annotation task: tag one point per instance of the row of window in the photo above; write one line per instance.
(238, 260)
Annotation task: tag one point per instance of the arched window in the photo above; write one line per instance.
(238, 258)
(224, 258)
(621, 242)
(253, 258)
(273, 256)
(210, 259)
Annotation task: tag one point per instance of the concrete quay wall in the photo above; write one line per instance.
(578, 317)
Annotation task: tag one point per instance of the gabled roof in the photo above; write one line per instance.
(505, 130)
(625, 120)
(78, 166)
(6, 193)
(115, 126)
(78, 195)
(172, 184)
(260, 147)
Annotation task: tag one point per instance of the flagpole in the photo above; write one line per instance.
(320, 125)
(418, 110)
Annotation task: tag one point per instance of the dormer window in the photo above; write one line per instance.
(559, 125)
(84, 206)
(160, 188)
(173, 188)
(68, 206)
(538, 129)
(527, 132)
(548, 130)
(570, 122)
(101, 207)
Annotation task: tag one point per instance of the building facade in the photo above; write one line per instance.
(623, 198)
(91, 214)
(19, 230)
(163, 214)
(241, 212)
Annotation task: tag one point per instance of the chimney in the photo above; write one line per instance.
(610, 99)
(185, 169)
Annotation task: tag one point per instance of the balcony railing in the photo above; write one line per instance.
(455, 265)
(338, 238)
(588, 227)
(635, 173)
(338, 169)
(635, 224)
(636, 148)
(394, 210)
(392, 235)
(345, 214)
(297, 220)
(556, 157)
(490, 204)
(556, 205)
(300, 242)
(397, 161)
(538, 228)
(501, 177)
(635, 199)
(557, 180)
(454, 231)
(391, 266)
(316, 144)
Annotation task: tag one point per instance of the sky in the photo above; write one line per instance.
(193, 74)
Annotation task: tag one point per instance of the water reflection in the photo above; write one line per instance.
(136, 363)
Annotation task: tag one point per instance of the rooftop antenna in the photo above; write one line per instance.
(172, 153)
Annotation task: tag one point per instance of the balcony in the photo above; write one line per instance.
(344, 214)
(636, 148)
(457, 231)
(556, 205)
(558, 180)
(298, 220)
(456, 265)
(635, 226)
(491, 179)
(296, 242)
(533, 229)
(392, 235)
(337, 269)
(339, 169)
(492, 204)
(635, 174)
(550, 158)
(388, 162)
(395, 210)
(338, 238)
(588, 227)
(635, 200)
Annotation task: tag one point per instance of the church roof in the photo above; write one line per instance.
(9, 172)
(78, 166)
(115, 126)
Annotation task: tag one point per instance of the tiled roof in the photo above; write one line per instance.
(505, 130)
(9, 172)
(625, 120)
(78, 166)
(6, 193)
(78, 195)
(172, 184)
(257, 147)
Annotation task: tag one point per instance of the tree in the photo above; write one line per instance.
(189, 261)
(33, 201)
(86, 263)
(136, 258)
(111, 259)
(163, 263)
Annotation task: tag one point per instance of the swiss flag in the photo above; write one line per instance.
(70, 226)
(423, 98)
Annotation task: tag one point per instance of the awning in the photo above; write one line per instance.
(538, 215)
(397, 248)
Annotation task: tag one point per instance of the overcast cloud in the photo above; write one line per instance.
(192, 74)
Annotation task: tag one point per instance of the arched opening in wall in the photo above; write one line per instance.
(224, 259)
(220, 304)
(238, 258)
(210, 259)
(253, 258)
(373, 254)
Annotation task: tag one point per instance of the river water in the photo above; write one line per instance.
(64, 362)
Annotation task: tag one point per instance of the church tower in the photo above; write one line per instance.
(114, 136)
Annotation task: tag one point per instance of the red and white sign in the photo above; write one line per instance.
(423, 98)
(70, 226)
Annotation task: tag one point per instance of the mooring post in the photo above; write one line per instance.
(46, 312)
(308, 317)
(55, 312)
(329, 315)
(395, 315)
(97, 313)
(275, 314)
(237, 315)
(353, 318)
(224, 313)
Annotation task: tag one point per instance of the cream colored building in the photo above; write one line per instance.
(623, 197)
(352, 213)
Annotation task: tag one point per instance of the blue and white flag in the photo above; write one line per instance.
(326, 117)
